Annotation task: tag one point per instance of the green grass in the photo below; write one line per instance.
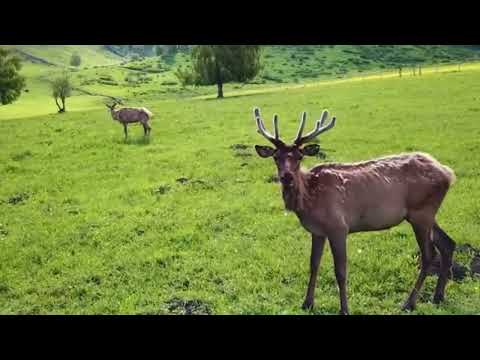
(90, 224)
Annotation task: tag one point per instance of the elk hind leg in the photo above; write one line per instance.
(338, 245)
(446, 247)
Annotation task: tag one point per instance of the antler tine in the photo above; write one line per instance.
(262, 130)
(324, 117)
(319, 129)
(301, 128)
(275, 127)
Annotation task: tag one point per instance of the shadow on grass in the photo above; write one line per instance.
(138, 141)
(227, 97)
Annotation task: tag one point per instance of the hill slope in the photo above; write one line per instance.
(60, 54)
(136, 80)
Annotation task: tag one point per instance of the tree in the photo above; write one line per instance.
(75, 60)
(11, 82)
(61, 89)
(158, 50)
(218, 64)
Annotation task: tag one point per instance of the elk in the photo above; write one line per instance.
(131, 115)
(333, 200)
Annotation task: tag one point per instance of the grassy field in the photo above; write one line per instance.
(190, 221)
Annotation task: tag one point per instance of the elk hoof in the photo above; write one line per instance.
(344, 312)
(438, 298)
(307, 304)
(408, 306)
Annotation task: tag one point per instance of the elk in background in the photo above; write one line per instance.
(334, 200)
(131, 115)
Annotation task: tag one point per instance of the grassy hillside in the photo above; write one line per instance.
(296, 63)
(191, 220)
(104, 74)
(60, 54)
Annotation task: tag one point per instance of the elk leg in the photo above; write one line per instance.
(125, 131)
(145, 130)
(446, 246)
(318, 243)
(424, 240)
(338, 245)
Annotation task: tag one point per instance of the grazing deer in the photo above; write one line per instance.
(131, 115)
(334, 200)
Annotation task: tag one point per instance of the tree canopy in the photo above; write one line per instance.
(75, 60)
(11, 82)
(219, 64)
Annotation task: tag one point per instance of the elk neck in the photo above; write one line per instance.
(296, 196)
(114, 114)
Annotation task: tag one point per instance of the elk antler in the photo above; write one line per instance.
(274, 139)
(319, 128)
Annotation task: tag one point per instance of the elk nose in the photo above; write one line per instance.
(286, 178)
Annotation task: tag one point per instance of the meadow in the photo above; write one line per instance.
(192, 221)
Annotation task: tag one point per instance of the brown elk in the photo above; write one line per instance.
(333, 200)
(131, 115)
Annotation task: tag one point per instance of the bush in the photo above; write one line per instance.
(75, 60)
(169, 82)
(186, 77)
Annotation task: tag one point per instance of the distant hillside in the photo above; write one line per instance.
(60, 54)
(283, 63)
(295, 62)
(122, 71)
(291, 63)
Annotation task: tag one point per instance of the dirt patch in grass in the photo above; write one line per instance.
(188, 307)
(18, 198)
(241, 150)
(198, 183)
(161, 190)
(273, 179)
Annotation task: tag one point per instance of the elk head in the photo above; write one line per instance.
(288, 157)
(111, 107)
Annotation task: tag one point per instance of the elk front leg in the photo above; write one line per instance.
(425, 243)
(318, 243)
(125, 131)
(338, 245)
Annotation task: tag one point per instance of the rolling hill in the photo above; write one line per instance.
(111, 71)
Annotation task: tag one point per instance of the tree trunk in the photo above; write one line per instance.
(58, 105)
(219, 81)
(63, 104)
(219, 89)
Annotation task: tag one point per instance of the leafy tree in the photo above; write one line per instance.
(11, 82)
(75, 60)
(61, 89)
(218, 64)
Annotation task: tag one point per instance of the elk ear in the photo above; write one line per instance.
(264, 151)
(311, 150)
